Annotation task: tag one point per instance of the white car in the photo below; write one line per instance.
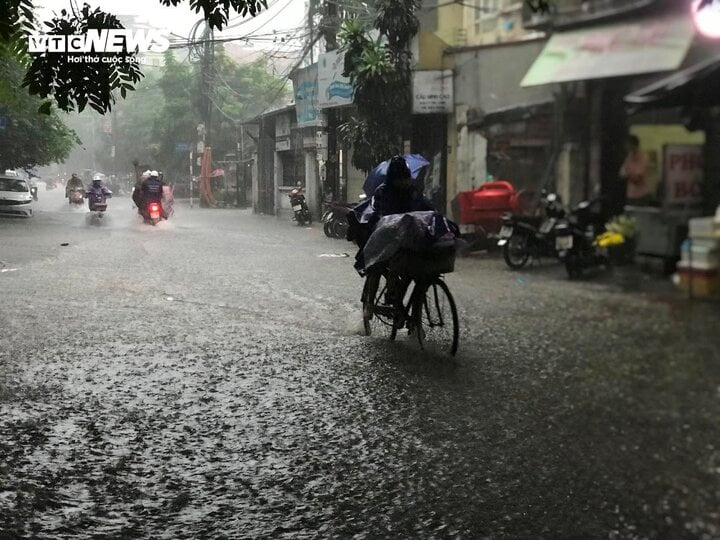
(15, 196)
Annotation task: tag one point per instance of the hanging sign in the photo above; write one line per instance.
(683, 173)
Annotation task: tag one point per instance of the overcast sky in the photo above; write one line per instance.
(281, 15)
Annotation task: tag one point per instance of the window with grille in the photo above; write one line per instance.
(486, 14)
(486, 8)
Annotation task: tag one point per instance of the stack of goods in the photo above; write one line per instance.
(699, 267)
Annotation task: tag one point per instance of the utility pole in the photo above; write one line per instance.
(208, 59)
(329, 28)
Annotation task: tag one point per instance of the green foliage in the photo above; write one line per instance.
(165, 110)
(216, 12)
(74, 84)
(379, 71)
(624, 225)
(31, 138)
(396, 20)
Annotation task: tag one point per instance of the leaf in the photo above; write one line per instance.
(45, 108)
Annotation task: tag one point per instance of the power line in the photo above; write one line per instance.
(268, 22)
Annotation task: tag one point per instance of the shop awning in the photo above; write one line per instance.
(647, 45)
(480, 119)
(696, 86)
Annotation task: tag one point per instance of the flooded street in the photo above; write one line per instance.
(207, 378)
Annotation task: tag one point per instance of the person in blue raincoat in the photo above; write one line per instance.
(397, 195)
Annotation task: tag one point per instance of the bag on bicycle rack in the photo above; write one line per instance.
(414, 231)
(437, 259)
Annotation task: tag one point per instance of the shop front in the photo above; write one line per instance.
(688, 162)
(502, 129)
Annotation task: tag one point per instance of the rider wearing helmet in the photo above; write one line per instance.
(97, 192)
(136, 192)
(151, 190)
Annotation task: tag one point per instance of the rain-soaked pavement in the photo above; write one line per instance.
(206, 379)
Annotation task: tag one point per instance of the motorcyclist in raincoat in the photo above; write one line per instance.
(151, 191)
(97, 193)
(73, 183)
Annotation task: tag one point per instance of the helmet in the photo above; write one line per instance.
(97, 178)
(153, 174)
(146, 173)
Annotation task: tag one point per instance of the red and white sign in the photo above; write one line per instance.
(683, 173)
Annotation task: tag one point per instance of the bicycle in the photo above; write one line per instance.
(429, 312)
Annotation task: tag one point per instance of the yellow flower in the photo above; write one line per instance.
(610, 239)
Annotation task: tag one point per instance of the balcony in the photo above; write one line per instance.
(573, 13)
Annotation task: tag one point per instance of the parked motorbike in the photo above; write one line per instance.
(335, 218)
(299, 206)
(523, 237)
(575, 239)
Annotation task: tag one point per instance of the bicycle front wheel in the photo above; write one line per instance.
(437, 319)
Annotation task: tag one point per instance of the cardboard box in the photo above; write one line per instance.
(704, 282)
(704, 227)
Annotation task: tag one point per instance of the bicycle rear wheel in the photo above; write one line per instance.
(436, 318)
(378, 319)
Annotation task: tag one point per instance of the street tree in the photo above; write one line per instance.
(162, 114)
(27, 137)
(75, 84)
(379, 69)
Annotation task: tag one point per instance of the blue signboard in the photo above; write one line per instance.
(181, 148)
(334, 90)
(306, 95)
(4, 122)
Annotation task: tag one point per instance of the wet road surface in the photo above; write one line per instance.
(207, 379)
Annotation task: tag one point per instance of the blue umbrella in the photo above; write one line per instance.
(378, 175)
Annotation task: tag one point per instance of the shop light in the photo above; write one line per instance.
(706, 16)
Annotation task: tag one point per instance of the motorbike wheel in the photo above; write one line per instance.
(328, 229)
(515, 252)
(339, 229)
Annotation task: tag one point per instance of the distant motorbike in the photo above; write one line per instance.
(153, 214)
(301, 211)
(76, 196)
(34, 192)
(575, 239)
(97, 202)
(523, 237)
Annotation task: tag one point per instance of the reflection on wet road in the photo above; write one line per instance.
(207, 379)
